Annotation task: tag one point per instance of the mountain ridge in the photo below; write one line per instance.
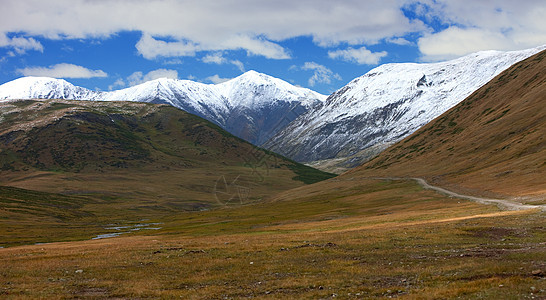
(385, 105)
(247, 106)
(492, 143)
(334, 133)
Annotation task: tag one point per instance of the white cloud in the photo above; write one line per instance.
(62, 71)
(255, 46)
(454, 42)
(321, 73)
(215, 58)
(361, 56)
(482, 25)
(173, 61)
(217, 79)
(208, 25)
(151, 48)
(20, 45)
(399, 41)
(139, 77)
(119, 83)
(219, 59)
(238, 64)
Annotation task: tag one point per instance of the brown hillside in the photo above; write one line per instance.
(492, 143)
(154, 157)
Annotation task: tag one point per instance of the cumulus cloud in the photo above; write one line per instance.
(208, 25)
(219, 59)
(183, 28)
(215, 58)
(139, 77)
(481, 25)
(20, 45)
(255, 46)
(151, 48)
(172, 61)
(455, 42)
(321, 74)
(361, 56)
(62, 71)
(217, 79)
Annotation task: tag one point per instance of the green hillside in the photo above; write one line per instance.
(129, 161)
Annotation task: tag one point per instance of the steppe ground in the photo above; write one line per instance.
(347, 239)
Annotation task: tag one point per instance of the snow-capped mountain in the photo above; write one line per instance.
(253, 106)
(385, 105)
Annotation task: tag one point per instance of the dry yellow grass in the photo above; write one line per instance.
(362, 239)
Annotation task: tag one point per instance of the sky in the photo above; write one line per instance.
(317, 44)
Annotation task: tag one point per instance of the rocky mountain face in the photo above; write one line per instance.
(385, 105)
(252, 106)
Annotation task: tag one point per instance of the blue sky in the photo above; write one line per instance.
(322, 45)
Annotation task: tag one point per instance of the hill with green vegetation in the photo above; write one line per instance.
(128, 161)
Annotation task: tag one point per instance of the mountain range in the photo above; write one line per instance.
(253, 106)
(384, 106)
(173, 206)
(332, 133)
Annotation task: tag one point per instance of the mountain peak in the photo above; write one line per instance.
(248, 106)
(251, 77)
(37, 80)
(385, 105)
(32, 87)
(253, 89)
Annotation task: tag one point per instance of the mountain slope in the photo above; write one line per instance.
(491, 143)
(385, 105)
(149, 156)
(249, 106)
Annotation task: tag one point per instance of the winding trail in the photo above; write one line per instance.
(501, 203)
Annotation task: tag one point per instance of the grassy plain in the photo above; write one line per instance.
(341, 238)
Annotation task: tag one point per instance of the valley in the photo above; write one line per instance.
(347, 239)
(123, 162)
(130, 200)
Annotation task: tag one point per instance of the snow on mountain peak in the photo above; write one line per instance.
(245, 105)
(256, 89)
(41, 88)
(387, 104)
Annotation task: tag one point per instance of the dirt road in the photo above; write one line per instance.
(501, 203)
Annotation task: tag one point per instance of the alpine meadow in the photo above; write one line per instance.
(146, 152)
